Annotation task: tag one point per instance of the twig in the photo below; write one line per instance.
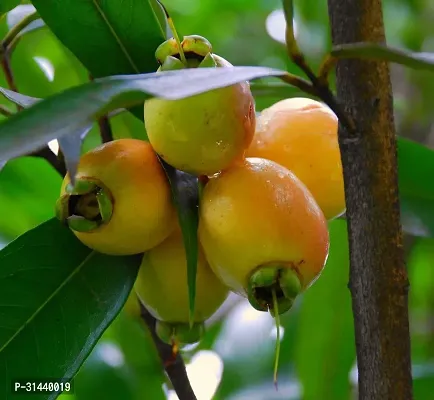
(56, 163)
(7, 70)
(325, 68)
(105, 129)
(17, 29)
(5, 111)
(5, 54)
(174, 367)
(300, 83)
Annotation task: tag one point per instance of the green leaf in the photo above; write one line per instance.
(18, 98)
(70, 144)
(124, 34)
(381, 52)
(185, 193)
(74, 109)
(140, 355)
(7, 5)
(57, 297)
(103, 374)
(21, 19)
(29, 188)
(324, 348)
(416, 171)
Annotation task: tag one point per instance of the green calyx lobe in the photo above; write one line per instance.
(179, 332)
(196, 49)
(85, 206)
(279, 278)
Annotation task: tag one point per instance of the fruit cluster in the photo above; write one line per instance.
(272, 182)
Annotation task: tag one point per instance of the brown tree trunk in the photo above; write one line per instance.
(378, 278)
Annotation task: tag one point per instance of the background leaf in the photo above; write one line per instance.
(416, 168)
(324, 359)
(110, 37)
(375, 51)
(54, 309)
(27, 204)
(7, 5)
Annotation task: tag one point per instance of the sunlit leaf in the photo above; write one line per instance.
(324, 348)
(125, 34)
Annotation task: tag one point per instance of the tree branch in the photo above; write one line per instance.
(378, 278)
(174, 366)
(56, 163)
(105, 129)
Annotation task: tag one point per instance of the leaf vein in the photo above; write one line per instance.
(41, 307)
(118, 40)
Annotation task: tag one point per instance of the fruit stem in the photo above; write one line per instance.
(277, 321)
(175, 33)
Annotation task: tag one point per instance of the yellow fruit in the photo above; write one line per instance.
(205, 133)
(132, 306)
(121, 203)
(301, 135)
(262, 231)
(162, 287)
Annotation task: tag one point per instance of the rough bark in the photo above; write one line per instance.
(378, 278)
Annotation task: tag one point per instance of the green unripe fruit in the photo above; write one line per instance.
(205, 133)
(162, 287)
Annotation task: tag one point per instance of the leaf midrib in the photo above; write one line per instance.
(156, 17)
(52, 295)
(119, 42)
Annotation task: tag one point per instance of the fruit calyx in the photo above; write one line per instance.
(273, 280)
(176, 333)
(194, 49)
(85, 206)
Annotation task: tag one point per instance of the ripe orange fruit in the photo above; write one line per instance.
(262, 231)
(302, 135)
(121, 203)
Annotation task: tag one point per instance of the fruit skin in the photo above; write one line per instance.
(258, 213)
(302, 135)
(143, 213)
(162, 283)
(132, 306)
(205, 133)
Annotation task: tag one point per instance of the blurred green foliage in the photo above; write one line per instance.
(318, 355)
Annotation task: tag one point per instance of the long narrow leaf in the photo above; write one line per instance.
(77, 107)
(376, 51)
